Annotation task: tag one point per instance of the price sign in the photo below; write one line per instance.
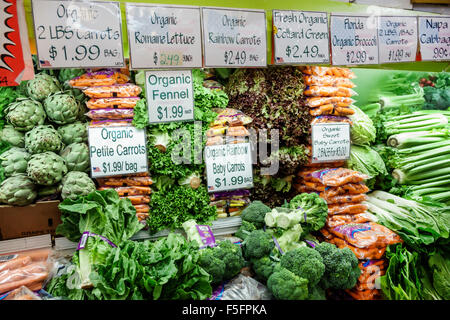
(434, 37)
(330, 142)
(354, 40)
(229, 167)
(164, 36)
(170, 95)
(72, 34)
(117, 151)
(300, 37)
(234, 38)
(397, 39)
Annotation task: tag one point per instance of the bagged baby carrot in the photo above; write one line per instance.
(364, 295)
(340, 219)
(140, 199)
(115, 103)
(111, 123)
(124, 181)
(314, 102)
(360, 253)
(142, 208)
(99, 78)
(118, 90)
(130, 191)
(350, 198)
(346, 208)
(349, 188)
(319, 91)
(328, 71)
(327, 81)
(330, 119)
(329, 109)
(334, 177)
(112, 114)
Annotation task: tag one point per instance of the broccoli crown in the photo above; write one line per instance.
(263, 268)
(258, 244)
(315, 210)
(285, 285)
(305, 262)
(341, 266)
(316, 293)
(255, 213)
(245, 227)
(213, 265)
(231, 255)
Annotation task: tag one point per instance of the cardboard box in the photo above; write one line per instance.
(33, 220)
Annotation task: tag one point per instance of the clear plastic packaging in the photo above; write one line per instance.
(142, 208)
(241, 288)
(328, 71)
(330, 109)
(119, 90)
(99, 78)
(130, 191)
(22, 293)
(350, 198)
(330, 119)
(314, 102)
(349, 188)
(340, 219)
(346, 208)
(112, 114)
(231, 117)
(319, 91)
(135, 200)
(111, 123)
(126, 181)
(333, 177)
(114, 103)
(327, 81)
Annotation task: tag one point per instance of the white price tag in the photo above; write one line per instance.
(434, 37)
(234, 38)
(229, 167)
(354, 40)
(170, 95)
(164, 36)
(300, 37)
(73, 34)
(397, 38)
(330, 142)
(117, 151)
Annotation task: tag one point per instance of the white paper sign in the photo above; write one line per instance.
(164, 36)
(300, 37)
(330, 142)
(117, 151)
(229, 167)
(234, 38)
(170, 95)
(397, 38)
(354, 40)
(73, 34)
(434, 37)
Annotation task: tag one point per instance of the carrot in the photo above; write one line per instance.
(21, 273)
(15, 263)
(138, 199)
(38, 254)
(24, 282)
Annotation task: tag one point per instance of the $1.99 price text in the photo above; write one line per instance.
(119, 166)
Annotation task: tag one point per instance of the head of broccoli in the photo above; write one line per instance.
(255, 213)
(213, 265)
(231, 255)
(305, 262)
(285, 285)
(314, 208)
(316, 293)
(257, 244)
(263, 267)
(245, 229)
(341, 266)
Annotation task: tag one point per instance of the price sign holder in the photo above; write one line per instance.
(434, 29)
(224, 167)
(101, 140)
(168, 24)
(228, 54)
(330, 142)
(303, 33)
(167, 100)
(397, 39)
(61, 26)
(353, 42)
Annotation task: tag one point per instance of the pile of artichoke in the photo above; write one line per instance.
(47, 135)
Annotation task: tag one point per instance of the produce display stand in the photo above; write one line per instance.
(98, 201)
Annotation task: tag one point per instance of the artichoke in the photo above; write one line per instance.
(62, 108)
(18, 190)
(76, 184)
(42, 86)
(12, 136)
(43, 138)
(76, 156)
(14, 161)
(25, 114)
(73, 132)
(46, 168)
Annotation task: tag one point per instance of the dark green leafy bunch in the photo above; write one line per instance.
(255, 213)
(257, 245)
(272, 190)
(289, 159)
(341, 266)
(439, 263)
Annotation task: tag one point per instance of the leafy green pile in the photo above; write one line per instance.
(167, 269)
(366, 160)
(7, 95)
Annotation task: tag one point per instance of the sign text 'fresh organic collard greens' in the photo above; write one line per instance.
(117, 151)
(75, 34)
(164, 36)
(229, 167)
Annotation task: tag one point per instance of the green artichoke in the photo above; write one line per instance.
(43, 138)
(12, 136)
(42, 86)
(46, 168)
(14, 161)
(76, 156)
(73, 132)
(76, 184)
(17, 190)
(62, 108)
(25, 114)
